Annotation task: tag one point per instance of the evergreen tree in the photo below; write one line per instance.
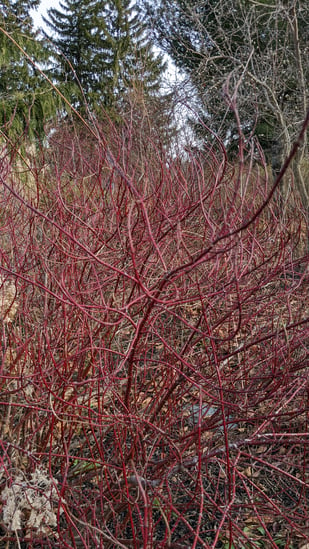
(27, 101)
(101, 53)
(72, 40)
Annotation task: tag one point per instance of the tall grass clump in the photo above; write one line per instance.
(154, 341)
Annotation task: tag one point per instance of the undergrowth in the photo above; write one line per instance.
(154, 340)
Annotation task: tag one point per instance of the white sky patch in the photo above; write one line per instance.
(42, 10)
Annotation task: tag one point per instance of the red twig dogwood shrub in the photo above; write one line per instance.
(154, 376)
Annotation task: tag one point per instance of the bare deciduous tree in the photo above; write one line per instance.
(247, 61)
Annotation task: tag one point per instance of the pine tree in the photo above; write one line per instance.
(72, 37)
(27, 101)
(101, 53)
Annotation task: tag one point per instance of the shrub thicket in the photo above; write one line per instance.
(154, 377)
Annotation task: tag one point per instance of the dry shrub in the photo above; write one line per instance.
(157, 365)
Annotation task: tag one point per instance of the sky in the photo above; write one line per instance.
(45, 4)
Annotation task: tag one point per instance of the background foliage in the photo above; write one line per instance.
(247, 64)
(27, 101)
(153, 301)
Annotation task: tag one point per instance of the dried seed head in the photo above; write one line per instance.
(31, 504)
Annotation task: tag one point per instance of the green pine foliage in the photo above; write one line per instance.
(27, 101)
(71, 42)
(101, 54)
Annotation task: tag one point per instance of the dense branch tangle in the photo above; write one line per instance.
(156, 359)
